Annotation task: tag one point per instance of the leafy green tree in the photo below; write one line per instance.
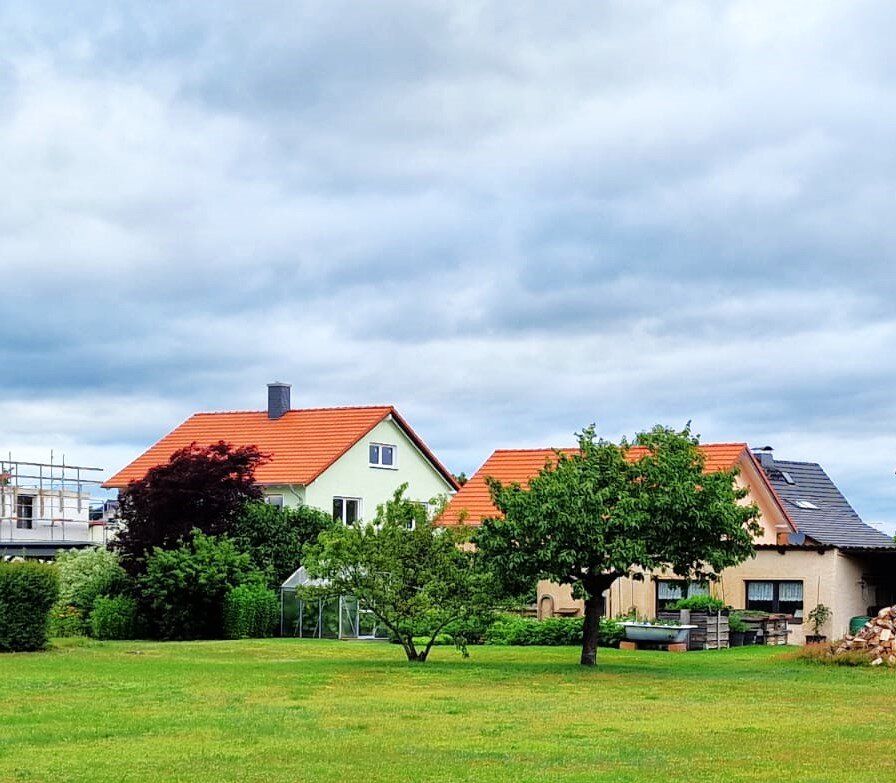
(184, 589)
(274, 537)
(415, 578)
(200, 488)
(606, 511)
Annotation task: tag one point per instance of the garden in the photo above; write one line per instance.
(319, 710)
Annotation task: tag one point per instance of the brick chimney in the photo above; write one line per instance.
(278, 399)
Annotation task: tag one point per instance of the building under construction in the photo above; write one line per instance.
(48, 506)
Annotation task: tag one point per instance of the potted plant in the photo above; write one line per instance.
(818, 617)
(737, 630)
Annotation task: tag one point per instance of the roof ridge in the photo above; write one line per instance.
(300, 410)
(534, 448)
(631, 445)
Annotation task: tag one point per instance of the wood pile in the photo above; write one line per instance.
(877, 639)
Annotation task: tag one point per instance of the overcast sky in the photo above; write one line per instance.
(509, 220)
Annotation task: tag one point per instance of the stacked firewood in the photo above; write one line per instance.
(877, 639)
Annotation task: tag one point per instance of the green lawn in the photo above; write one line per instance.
(292, 710)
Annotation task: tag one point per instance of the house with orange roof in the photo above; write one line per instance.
(345, 460)
(812, 549)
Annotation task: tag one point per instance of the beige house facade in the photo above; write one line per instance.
(812, 549)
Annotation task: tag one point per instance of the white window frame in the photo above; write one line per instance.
(344, 499)
(274, 500)
(379, 461)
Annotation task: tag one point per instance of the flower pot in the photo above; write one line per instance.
(736, 638)
(749, 638)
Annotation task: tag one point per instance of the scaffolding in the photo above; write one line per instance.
(51, 502)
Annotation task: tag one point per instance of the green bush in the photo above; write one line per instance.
(27, 592)
(66, 620)
(698, 603)
(555, 631)
(250, 612)
(274, 536)
(184, 589)
(114, 617)
(86, 574)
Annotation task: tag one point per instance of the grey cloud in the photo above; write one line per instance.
(509, 221)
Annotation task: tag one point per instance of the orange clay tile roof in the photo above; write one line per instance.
(302, 444)
(519, 465)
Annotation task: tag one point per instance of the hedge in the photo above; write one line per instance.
(250, 612)
(114, 618)
(27, 592)
(554, 631)
(66, 620)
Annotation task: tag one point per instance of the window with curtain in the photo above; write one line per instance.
(670, 590)
(778, 597)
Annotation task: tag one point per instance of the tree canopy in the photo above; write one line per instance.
(200, 488)
(606, 511)
(417, 579)
(274, 537)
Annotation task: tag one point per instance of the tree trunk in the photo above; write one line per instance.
(594, 610)
(410, 650)
(591, 630)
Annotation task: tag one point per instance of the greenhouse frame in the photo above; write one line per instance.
(325, 616)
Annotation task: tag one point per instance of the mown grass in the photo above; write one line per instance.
(294, 710)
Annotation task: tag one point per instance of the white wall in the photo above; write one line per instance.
(56, 516)
(352, 476)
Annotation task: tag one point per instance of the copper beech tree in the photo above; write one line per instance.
(201, 488)
(604, 512)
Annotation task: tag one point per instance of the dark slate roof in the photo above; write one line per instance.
(834, 521)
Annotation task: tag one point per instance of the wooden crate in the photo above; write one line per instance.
(711, 632)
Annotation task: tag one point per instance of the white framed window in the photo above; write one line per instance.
(383, 455)
(274, 500)
(347, 510)
(670, 590)
(785, 597)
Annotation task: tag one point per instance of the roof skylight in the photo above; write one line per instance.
(806, 504)
(787, 477)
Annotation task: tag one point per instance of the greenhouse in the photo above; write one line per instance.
(324, 616)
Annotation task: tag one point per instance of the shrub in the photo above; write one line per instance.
(86, 574)
(66, 620)
(114, 617)
(184, 588)
(698, 603)
(250, 612)
(736, 624)
(555, 631)
(27, 592)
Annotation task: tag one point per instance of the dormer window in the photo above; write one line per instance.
(383, 455)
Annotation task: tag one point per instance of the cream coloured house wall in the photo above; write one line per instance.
(828, 576)
(352, 476)
(293, 494)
